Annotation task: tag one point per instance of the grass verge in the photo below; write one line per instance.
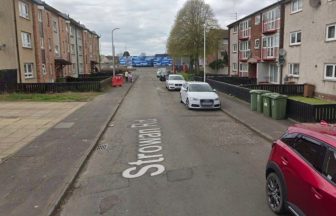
(313, 101)
(55, 97)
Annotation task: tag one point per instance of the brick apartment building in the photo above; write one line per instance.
(47, 43)
(255, 41)
(305, 32)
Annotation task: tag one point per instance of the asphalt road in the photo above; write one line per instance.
(159, 159)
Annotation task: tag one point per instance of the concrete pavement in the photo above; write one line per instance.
(266, 127)
(22, 122)
(35, 178)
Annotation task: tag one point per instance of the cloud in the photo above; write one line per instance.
(144, 25)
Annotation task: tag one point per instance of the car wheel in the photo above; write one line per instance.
(275, 193)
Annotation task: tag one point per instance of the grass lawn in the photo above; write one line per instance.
(56, 97)
(313, 101)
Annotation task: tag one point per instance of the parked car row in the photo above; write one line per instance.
(195, 95)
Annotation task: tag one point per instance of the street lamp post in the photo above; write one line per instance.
(204, 55)
(113, 52)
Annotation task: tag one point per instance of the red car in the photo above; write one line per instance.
(301, 171)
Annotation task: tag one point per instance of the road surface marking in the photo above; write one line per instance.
(149, 146)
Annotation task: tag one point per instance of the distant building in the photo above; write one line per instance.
(222, 51)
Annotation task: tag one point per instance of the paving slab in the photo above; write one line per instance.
(21, 122)
(267, 127)
(35, 178)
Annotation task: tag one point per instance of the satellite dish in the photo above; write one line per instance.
(315, 3)
(282, 52)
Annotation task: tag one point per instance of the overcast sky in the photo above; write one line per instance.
(144, 24)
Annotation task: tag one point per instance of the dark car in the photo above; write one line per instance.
(301, 171)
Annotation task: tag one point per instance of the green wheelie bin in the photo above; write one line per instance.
(253, 94)
(278, 107)
(267, 104)
(260, 99)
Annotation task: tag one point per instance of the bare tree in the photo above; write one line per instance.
(187, 35)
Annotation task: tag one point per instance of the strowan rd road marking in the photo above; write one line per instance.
(149, 148)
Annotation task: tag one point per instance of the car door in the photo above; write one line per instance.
(302, 163)
(324, 191)
(308, 172)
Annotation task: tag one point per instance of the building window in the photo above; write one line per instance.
(273, 73)
(39, 15)
(294, 69)
(28, 70)
(55, 26)
(296, 6)
(225, 42)
(44, 70)
(330, 71)
(72, 49)
(235, 48)
(257, 20)
(257, 44)
(56, 49)
(234, 67)
(243, 67)
(72, 31)
(235, 29)
(331, 32)
(49, 44)
(26, 40)
(42, 43)
(295, 38)
(23, 10)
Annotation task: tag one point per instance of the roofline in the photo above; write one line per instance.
(257, 12)
(66, 17)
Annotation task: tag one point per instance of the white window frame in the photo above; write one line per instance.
(55, 26)
(273, 74)
(257, 19)
(234, 67)
(42, 42)
(44, 69)
(296, 6)
(235, 48)
(28, 70)
(26, 40)
(292, 71)
(57, 51)
(296, 43)
(327, 32)
(255, 44)
(23, 10)
(235, 29)
(39, 16)
(243, 69)
(333, 77)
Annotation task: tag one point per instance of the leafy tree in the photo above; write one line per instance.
(187, 35)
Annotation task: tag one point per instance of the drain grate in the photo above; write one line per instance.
(102, 147)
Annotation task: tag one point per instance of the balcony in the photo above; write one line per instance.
(244, 55)
(245, 34)
(270, 53)
(271, 26)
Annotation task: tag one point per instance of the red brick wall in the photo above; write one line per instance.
(48, 54)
